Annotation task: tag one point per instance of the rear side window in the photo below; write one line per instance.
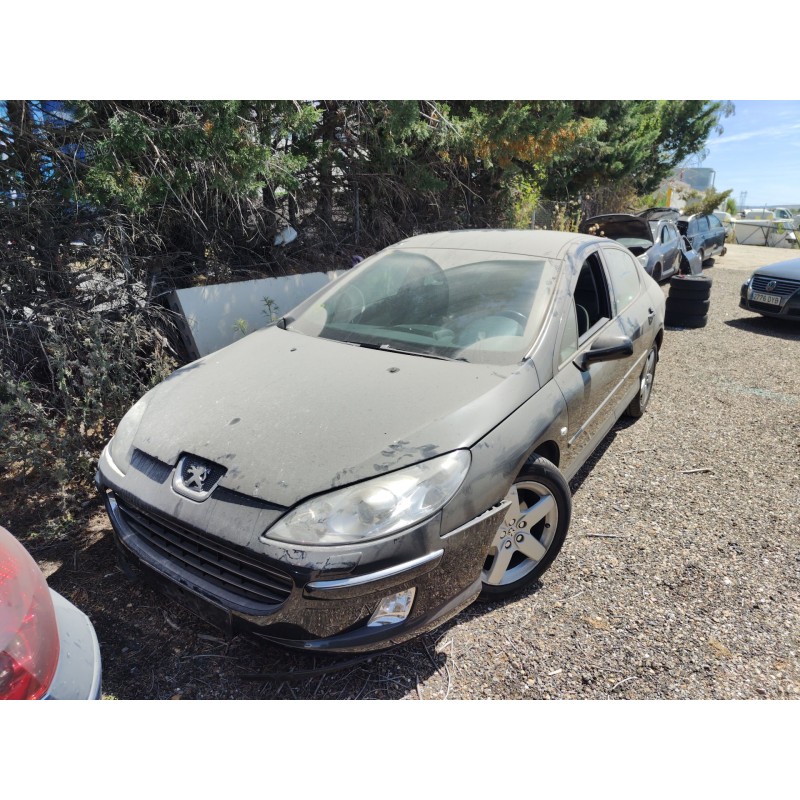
(714, 221)
(702, 224)
(623, 270)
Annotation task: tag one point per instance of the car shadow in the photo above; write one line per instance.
(768, 326)
(580, 476)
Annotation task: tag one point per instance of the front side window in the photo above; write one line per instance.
(624, 273)
(592, 303)
(458, 304)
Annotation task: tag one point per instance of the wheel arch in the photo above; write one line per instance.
(549, 449)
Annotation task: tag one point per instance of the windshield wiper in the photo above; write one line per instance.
(390, 349)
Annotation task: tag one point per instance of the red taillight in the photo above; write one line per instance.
(28, 630)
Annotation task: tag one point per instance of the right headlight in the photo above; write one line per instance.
(374, 508)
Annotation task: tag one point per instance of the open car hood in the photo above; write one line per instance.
(653, 214)
(618, 226)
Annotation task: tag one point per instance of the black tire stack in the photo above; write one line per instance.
(688, 301)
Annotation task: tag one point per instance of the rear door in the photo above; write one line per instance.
(593, 394)
(716, 234)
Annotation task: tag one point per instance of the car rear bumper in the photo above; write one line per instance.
(79, 670)
(328, 609)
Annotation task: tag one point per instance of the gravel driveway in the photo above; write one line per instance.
(679, 577)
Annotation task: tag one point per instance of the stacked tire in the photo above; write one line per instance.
(688, 301)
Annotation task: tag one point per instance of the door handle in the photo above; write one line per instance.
(650, 314)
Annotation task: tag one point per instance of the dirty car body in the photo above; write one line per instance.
(395, 446)
(654, 242)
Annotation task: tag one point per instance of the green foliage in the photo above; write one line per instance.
(730, 206)
(172, 193)
(707, 203)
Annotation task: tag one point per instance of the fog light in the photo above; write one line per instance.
(393, 609)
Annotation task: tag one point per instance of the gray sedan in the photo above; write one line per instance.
(394, 447)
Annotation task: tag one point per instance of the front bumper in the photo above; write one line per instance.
(789, 307)
(317, 599)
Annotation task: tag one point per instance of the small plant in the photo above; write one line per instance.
(270, 310)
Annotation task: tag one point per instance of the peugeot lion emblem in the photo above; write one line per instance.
(771, 285)
(195, 477)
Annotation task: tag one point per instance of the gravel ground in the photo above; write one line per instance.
(678, 579)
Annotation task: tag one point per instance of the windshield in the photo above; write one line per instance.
(457, 304)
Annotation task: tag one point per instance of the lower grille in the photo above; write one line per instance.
(228, 576)
(765, 307)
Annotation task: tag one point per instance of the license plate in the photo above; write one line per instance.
(769, 299)
(200, 606)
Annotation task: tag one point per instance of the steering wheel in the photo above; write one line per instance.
(350, 299)
(517, 316)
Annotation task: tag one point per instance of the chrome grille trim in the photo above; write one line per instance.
(783, 287)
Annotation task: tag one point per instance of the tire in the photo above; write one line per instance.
(639, 403)
(702, 254)
(690, 287)
(682, 306)
(658, 273)
(709, 262)
(686, 320)
(518, 555)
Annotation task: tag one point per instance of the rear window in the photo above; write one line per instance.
(623, 270)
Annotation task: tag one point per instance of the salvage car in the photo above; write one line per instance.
(706, 234)
(397, 445)
(774, 290)
(48, 647)
(654, 242)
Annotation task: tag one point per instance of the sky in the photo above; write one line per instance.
(758, 153)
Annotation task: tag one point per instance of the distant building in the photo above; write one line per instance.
(699, 178)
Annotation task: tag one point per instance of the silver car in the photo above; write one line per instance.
(394, 447)
(655, 242)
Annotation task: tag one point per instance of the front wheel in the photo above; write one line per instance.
(532, 532)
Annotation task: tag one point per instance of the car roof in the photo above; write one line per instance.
(545, 244)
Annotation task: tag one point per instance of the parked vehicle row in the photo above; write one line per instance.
(664, 241)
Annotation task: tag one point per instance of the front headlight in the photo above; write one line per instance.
(376, 507)
(121, 446)
(747, 282)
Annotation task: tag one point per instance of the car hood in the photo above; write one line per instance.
(618, 226)
(789, 270)
(290, 415)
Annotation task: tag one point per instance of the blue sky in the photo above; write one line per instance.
(759, 152)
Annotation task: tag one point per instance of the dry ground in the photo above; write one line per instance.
(679, 577)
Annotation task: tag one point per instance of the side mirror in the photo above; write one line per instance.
(607, 347)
